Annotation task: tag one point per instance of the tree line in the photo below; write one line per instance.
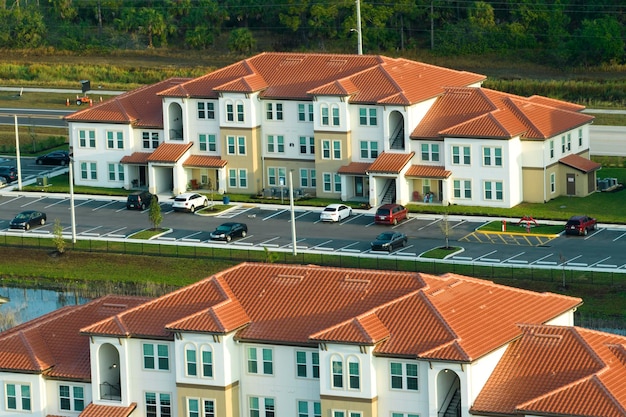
(562, 32)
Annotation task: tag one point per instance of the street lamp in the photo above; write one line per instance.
(358, 28)
(73, 215)
(293, 216)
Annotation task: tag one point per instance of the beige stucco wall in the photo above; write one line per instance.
(226, 398)
(251, 161)
(330, 165)
(368, 407)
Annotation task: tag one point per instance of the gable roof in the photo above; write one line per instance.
(402, 313)
(299, 76)
(52, 345)
(97, 410)
(553, 370)
(390, 162)
(169, 152)
(480, 112)
(140, 107)
(582, 164)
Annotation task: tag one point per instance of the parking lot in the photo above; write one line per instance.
(270, 227)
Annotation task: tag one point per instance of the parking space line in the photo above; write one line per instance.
(459, 223)
(512, 258)
(600, 264)
(480, 258)
(323, 248)
(105, 205)
(619, 237)
(78, 205)
(266, 242)
(568, 261)
(354, 217)
(274, 215)
(113, 233)
(346, 248)
(304, 213)
(58, 202)
(594, 233)
(11, 200)
(32, 202)
(429, 224)
(89, 231)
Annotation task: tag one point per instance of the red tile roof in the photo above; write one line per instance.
(93, 410)
(204, 161)
(298, 76)
(140, 107)
(354, 168)
(404, 313)
(484, 113)
(140, 158)
(52, 345)
(427, 171)
(578, 162)
(390, 162)
(169, 152)
(554, 370)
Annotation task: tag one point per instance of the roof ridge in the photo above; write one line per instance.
(29, 349)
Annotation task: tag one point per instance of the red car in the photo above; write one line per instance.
(580, 225)
(390, 214)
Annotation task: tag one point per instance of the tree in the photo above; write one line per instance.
(241, 40)
(59, 242)
(598, 40)
(446, 229)
(154, 214)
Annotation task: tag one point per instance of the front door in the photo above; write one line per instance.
(571, 184)
(358, 186)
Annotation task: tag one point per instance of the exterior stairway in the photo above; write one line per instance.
(390, 193)
(454, 408)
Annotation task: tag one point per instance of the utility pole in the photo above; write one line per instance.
(358, 28)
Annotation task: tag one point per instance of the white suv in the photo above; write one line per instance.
(189, 202)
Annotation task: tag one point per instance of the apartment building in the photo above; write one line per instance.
(278, 340)
(352, 127)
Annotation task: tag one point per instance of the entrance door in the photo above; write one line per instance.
(571, 184)
(358, 186)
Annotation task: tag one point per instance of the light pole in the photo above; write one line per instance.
(73, 215)
(293, 216)
(358, 28)
(17, 154)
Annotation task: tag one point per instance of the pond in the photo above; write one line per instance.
(25, 304)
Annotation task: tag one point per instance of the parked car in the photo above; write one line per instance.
(9, 173)
(227, 231)
(54, 158)
(580, 225)
(139, 200)
(27, 219)
(189, 202)
(3, 181)
(389, 241)
(390, 214)
(335, 213)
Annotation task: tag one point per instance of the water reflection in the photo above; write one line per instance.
(25, 304)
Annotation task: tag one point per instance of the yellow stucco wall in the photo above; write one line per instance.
(226, 398)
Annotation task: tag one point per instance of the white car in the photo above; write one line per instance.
(189, 202)
(335, 213)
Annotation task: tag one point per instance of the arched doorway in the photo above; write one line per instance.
(448, 394)
(396, 131)
(109, 373)
(175, 119)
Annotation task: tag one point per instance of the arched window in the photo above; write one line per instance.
(325, 119)
(336, 371)
(230, 111)
(191, 360)
(354, 373)
(206, 357)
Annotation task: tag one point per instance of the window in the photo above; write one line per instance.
(193, 408)
(462, 188)
(337, 373)
(207, 362)
(267, 365)
(325, 149)
(232, 178)
(369, 149)
(492, 156)
(275, 144)
(403, 376)
(116, 172)
(243, 178)
(115, 140)
(88, 171)
(336, 149)
(274, 112)
(156, 356)
(262, 407)
(404, 415)
(18, 397)
(150, 140)
(368, 116)
(230, 113)
(325, 116)
(326, 182)
(569, 141)
(276, 176)
(303, 111)
(493, 190)
(562, 144)
(191, 362)
(580, 138)
(158, 404)
(307, 145)
(354, 375)
(336, 120)
(309, 409)
(71, 398)
(207, 142)
(87, 138)
(206, 110)
(461, 155)
(236, 145)
(342, 413)
(240, 117)
(307, 364)
(337, 183)
(430, 152)
(553, 182)
(551, 148)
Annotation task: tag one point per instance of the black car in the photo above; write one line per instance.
(389, 241)
(54, 158)
(26, 219)
(227, 231)
(139, 200)
(9, 173)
